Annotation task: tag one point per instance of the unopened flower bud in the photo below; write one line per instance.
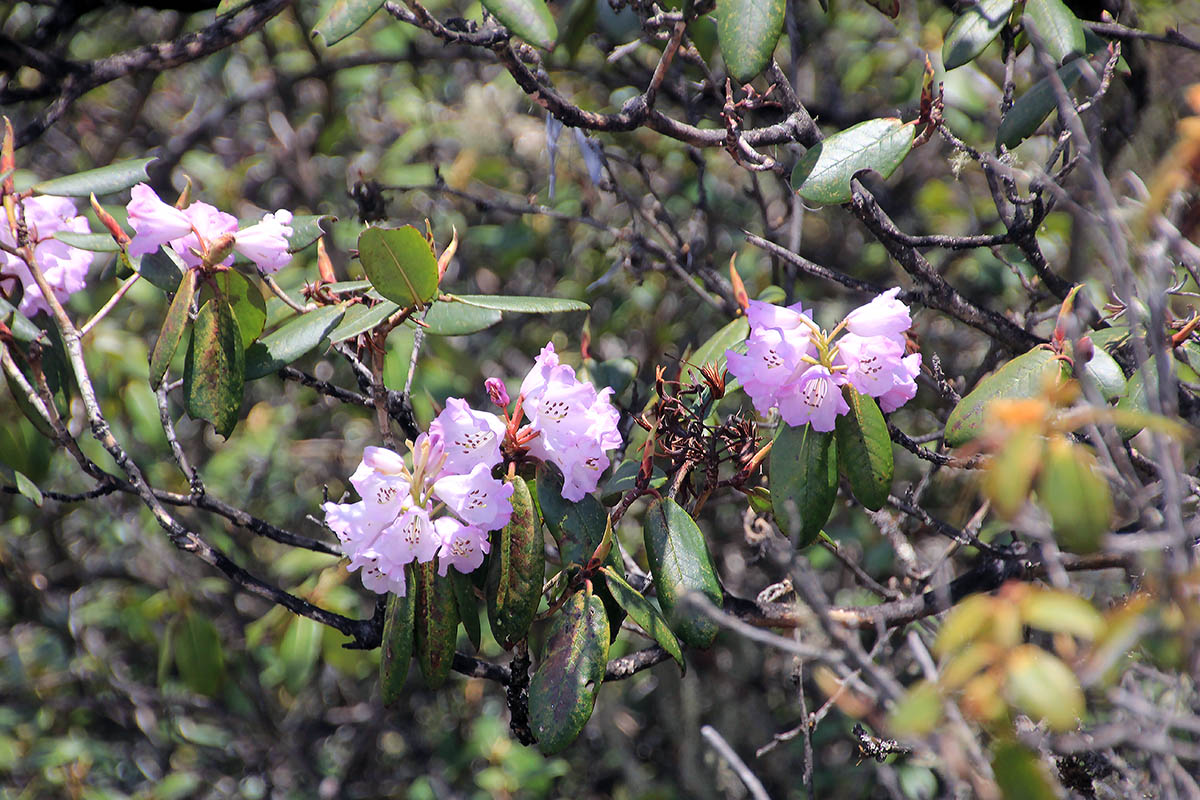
(497, 392)
(219, 249)
(106, 219)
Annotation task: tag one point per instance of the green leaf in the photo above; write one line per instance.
(246, 300)
(1060, 31)
(299, 650)
(522, 305)
(624, 479)
(343, 287)
(680, 564)
(965, 622)
(399, 623)
(229, 6)
(643, 612)
(344, 18)
(100, 181)
(215, 367)
(613, 373)
(361, 318)
(713, 349)
(25, 487)
(1030, 110)
(1020, 774)
(22, 327)
(529, 19)
(436, 623)
(1043, 687)
(1009, 478)
(1104, 370)
(468, 608)
(163, 268)
(748, 31)
(1024, 376)
(283, 346)
(459, 319)
(578, 528)
(562, 692)
(824, 173)
(198, 655)
(973, 30)
(516, 567)
(1075, 495)
(803, 481)
(400, 264)
(92, 242)
(172, 330)
(865, 450)
(1133, 399)
(306, 230)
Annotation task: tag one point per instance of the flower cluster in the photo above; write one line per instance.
(194, 230)
(574, 423)
(65, 268)
(792, 365)
(394, 524)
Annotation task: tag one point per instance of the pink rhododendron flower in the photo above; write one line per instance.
(211, 223)
(394, 525)
(791, 364)
(497, 392)
(266, 244)
(463, 546)
(469, 436)
(64, 267)
(154, 222)
(575, 424)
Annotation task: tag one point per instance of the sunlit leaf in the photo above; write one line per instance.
(296, 338)
(864, 450)
(973, 30)
(1076, 495)
(214, 370)
(516, 568)
(245, 298)
(522, 305)
(1024, 376)
(748, 31)
(643, 612)
(918, 712)
(99, 181)
(459, 319)
(173, 327)
(361, 318)
(823, 175)
(712, 351)
(1060, 31)
(344, 18)
(400, 264)
(1061, 612)
(529, 19)
(1045, 688)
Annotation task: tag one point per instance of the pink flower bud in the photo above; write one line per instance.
(497, 391)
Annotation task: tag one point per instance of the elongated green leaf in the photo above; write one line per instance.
(1024, 376)
(172, 330)
(1044, 687)
(1060, 31)
(214, 370)
(529, 19)
(1030, 110)
(300, 335)
(562, 692)
(459, 319)
(823, 175)
(579, 528)
(246, 300)
(713, 349)
(399, 630)
(361, 318)
(162, 268)
(92, 242)
(25, 486)
(22, 327)
(803, 481)
(400, 264)
(643, 612)
(344, 18)
(1059, 611)
(198, 656)
(516, 568)
(306, 229)
(680, 563)
(345, 287)
(436, 622)
(973, 31)
(748, 31)
(100, 181)
(522, 305)
(864, 450)
(468, 608)
(1076, 495)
